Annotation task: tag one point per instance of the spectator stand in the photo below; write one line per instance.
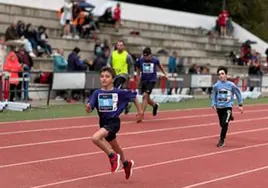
(5, 78)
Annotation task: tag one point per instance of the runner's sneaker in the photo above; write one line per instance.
(115, 162)
(155, 109)
(220, 143)
(129, 168)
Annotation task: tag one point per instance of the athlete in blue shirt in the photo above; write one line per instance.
(110, 102)
(147, 72)
(223, 100)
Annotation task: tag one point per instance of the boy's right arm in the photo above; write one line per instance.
(88, 108)
(92, 102)
(214, 97)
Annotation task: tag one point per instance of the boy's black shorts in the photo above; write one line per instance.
(224, 115)
(119, 82)
(147, 86)
(112, 126)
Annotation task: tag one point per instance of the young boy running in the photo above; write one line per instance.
(110, 102)
(146, 66)
(223, 100)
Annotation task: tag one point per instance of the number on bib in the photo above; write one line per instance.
(107, 102)
(148, 68)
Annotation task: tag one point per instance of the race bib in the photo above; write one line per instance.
(107, 102)
(224, 95)
(148, 68)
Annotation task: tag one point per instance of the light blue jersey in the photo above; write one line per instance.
(223, 94)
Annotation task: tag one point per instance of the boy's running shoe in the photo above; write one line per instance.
(115, 162)
(128, 169)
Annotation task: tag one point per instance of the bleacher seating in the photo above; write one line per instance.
(191, 43)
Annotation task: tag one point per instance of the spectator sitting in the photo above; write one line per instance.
(13, 66)
(31, 34)
(107, 17)
(12, 34)
(20, 28)
(59, 65)
(246, 51)
(101, 59)
(97, 47)
(42, 40)
(90, 27)
(74, 63)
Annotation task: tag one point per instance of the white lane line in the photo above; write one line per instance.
(124, 134)
(94, 116)
(125, 122)
(227, 177)
(129, 148)
(154, 165)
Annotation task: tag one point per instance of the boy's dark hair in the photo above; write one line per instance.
(147, 51)
(108, 69)
(76, 50)
(225, 69)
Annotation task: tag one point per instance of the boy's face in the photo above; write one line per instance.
(222, 75)
(106, 79)
(147, 57)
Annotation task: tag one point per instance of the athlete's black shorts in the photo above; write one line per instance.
(147, 86)
(224, 115)
(119, 82)
(112, 126)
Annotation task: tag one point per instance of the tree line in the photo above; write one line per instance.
(250, 14)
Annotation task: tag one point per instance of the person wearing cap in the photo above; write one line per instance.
(123, 65)
(147, 72)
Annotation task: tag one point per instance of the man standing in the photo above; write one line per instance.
(122, 63)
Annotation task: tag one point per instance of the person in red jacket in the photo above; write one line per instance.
(12, 66)
(222, 21)
(117, 16)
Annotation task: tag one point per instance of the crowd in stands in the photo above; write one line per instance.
(35, 40)
(78, 21)
(248, 57)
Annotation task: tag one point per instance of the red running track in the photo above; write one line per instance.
(174, 149)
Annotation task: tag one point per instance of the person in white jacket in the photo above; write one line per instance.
(67, 18)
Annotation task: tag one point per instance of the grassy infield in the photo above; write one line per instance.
(71, 110)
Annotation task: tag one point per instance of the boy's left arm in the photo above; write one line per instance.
(139, 110)
(131, 96)
(239, 97)
(162, 68)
